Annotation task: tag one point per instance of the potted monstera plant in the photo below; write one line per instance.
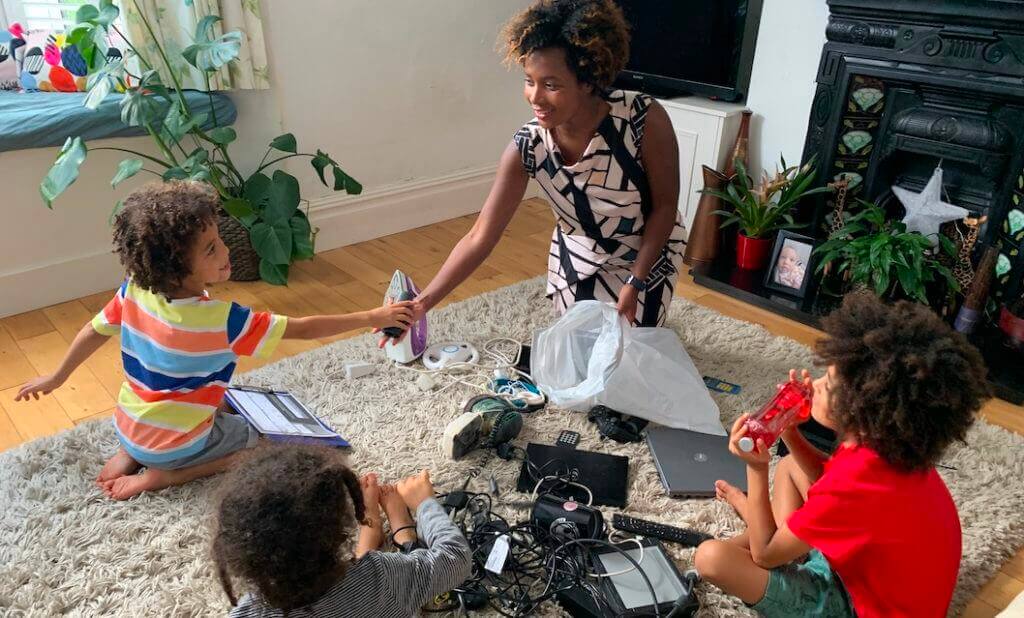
(262, 221)
(764, 209)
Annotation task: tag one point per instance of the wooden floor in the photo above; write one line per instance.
(344, 280)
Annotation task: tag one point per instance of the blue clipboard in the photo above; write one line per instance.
(281, 417)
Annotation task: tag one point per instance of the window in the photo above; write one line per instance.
(40, 14)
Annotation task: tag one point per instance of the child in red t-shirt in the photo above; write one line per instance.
(871, 531)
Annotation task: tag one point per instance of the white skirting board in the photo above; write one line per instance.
(343, 220)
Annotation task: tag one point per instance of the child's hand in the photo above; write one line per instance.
(42, 384)
(393, 314)
(759, 457)
(415, 489)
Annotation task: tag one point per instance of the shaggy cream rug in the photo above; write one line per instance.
(66, 549)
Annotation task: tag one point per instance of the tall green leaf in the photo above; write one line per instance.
(287, 143)
(103, 82)
(64, 170)
(273, 241)
(257, 190)
(126, 169)
(346, 182)
(210, 54)
(223, 135)
(302, 237)
(276, 274)
(139, 109)
(319, 162)
(284, 198)
(240, 209)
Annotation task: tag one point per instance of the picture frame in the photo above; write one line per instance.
(790, 269)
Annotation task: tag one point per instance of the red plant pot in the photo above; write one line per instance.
(1013, 326)
(752, 253)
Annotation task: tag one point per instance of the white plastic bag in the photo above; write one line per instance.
(591, 356)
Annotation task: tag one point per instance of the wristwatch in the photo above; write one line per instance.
(639, 284)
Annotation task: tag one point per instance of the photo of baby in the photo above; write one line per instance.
(791, 267)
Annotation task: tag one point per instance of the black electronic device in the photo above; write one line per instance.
(568, 439)
(523, 366)
(615, 425)
(563, 520)
(691, 46)
(604, 476)
(654, 530)
(625, 592)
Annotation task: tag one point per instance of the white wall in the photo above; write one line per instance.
(409, 96)
(782, 83)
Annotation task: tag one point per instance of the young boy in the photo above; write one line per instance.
(178, 346)
(876, 521)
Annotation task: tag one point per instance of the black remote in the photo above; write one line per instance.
(394, 331)
(568, 439)
(683, 536)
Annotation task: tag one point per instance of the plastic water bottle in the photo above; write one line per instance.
(791, 405)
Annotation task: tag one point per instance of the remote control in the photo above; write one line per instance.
(568, 439)
(683, 536)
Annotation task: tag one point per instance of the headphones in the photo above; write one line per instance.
(617, 426)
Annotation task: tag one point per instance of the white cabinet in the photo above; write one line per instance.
(706, 131)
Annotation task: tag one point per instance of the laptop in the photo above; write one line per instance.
(690, 462)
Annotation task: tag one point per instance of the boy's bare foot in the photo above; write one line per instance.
(152, 479)
(121, 464)
(398, 514)
(734, 496)
(371, 534)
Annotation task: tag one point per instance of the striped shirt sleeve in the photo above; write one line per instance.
(108, 320)
(413, 579)
(254, 333)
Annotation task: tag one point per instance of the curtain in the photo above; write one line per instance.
(174, 25)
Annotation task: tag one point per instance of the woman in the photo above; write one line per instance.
(607, 160)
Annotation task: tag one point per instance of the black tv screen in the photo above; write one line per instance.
(691, 46)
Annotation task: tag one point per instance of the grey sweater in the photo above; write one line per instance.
(388, 584)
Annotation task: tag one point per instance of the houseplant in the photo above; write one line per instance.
(192, 143)
(880, 254)
(762, 210)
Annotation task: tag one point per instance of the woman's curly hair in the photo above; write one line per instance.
(593, 34)
(155, 231)
(282, 518)
(906, 384)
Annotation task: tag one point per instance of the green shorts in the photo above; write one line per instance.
(810, 588)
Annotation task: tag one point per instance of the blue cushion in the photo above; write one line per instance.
(41, 119)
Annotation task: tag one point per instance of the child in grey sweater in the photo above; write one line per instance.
(284, 516)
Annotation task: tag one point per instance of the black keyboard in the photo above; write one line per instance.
(683, 536)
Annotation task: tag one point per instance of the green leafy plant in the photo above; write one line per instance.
(761, 210)
(883, 256)
(193, 144)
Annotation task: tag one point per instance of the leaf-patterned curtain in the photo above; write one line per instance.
(174, 25)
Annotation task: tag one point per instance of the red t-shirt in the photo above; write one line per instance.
(893, 537)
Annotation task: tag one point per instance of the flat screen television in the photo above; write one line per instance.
(703, 47)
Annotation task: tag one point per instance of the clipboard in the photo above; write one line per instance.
(281, 417)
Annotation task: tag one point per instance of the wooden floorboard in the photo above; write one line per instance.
(349, 279)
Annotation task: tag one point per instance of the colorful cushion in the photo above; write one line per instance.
(43, 60)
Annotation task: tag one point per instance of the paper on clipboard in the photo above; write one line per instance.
(279, 414)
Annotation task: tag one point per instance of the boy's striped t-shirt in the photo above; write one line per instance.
(179, 355)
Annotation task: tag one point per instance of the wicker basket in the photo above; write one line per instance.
(245, 263)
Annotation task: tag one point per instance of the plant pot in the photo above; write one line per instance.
(752, 253)
(1013, 327)
(245, 263)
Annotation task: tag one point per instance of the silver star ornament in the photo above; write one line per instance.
(925, 210)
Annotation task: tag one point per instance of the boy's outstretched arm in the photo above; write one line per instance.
(87, 341)
(316, 326)
(770, 545)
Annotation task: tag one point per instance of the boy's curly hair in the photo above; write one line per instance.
(155, 231)
(593, 34)
(282, 518)
(907, 385)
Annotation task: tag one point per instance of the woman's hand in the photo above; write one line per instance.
(627, 303)
(759, 457)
